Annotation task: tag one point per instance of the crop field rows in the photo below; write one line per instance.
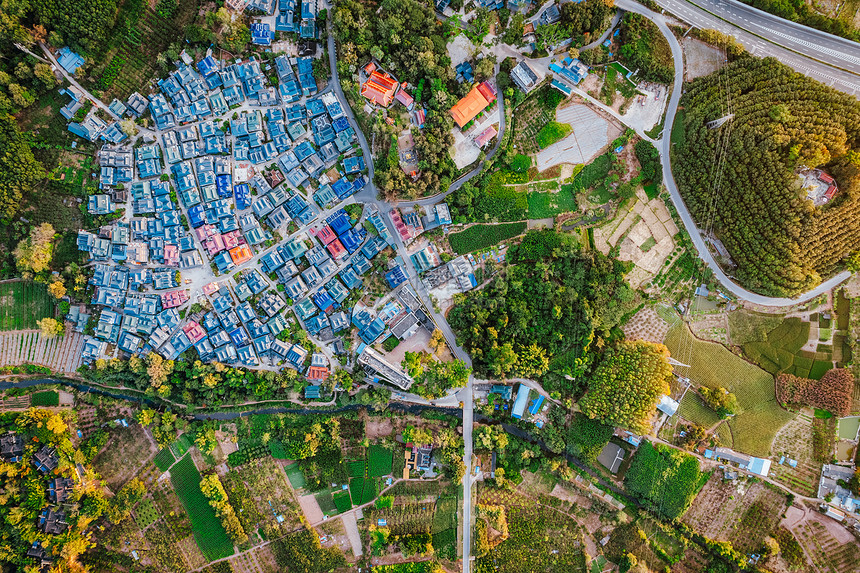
(828, 554)
(407, 518)
(478, 237)
(22, 303)
(715, 366)
(208, 531)
(794, 441)
(740, 512)
(169, 535)
(262, 498)
(60, 354)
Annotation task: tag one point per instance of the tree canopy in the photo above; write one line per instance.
(625, 386)
(543, 311)
(19, 170)
(781, 243)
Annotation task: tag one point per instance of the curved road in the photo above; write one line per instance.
(665, 149)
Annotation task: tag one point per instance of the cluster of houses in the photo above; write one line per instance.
(289, 16)
(52, 519)
(222, 191)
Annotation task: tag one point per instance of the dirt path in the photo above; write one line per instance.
(351, 527)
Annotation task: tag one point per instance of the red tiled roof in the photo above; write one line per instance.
(485, 137)
(404, 98)
(240, 254)
(194, 331)
(317, 373)
(379, 89)
(326, 235)
(174, 298)
(336, 249)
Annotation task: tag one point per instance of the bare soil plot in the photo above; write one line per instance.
(351, 527)
(591, 133)
(127, 450)
(738, 511)
(643, 235)
(311, 508)
(701, 59)
(830, 546)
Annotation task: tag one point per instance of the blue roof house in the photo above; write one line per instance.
(521, 401)
(261, 34)
(69, 60)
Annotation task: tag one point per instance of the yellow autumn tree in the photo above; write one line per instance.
(57, 289)
(33, 253)
(50, 327)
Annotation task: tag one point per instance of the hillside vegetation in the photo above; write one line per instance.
(781, 243)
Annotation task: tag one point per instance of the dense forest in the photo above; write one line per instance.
(625, 386)
(586, 20)
(543, 312)
(781, 243)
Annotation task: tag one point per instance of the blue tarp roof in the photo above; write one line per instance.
(521, 401)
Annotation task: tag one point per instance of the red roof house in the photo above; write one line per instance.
(379, 89)
(336, 249)
(194, 332)
(404, 98)
(326, 235)
(174, 298)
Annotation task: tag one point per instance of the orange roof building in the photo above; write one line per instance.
(478, 98)
(240, 254)
(318, 373)
(379, 89)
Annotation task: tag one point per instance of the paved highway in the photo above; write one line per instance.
(829, 59)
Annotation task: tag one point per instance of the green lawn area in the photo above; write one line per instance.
(651, 191)
(208, 531)
(326, 502)
(549, 204)
(356, 469)
(552, 132)
(342, 501)
(145, 513)
(819, 368)
(778, 349)
(679, 133)
(22, 303)
(715, 366)
(500, 202)
(479, 237)
(362, 490)
(295, 475)
(694, 409)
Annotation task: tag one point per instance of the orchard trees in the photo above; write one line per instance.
(624, 388)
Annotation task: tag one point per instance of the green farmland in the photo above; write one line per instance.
(479, 237)
(208, 531)
(22, 303)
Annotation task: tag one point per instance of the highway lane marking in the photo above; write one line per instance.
(828, 51)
